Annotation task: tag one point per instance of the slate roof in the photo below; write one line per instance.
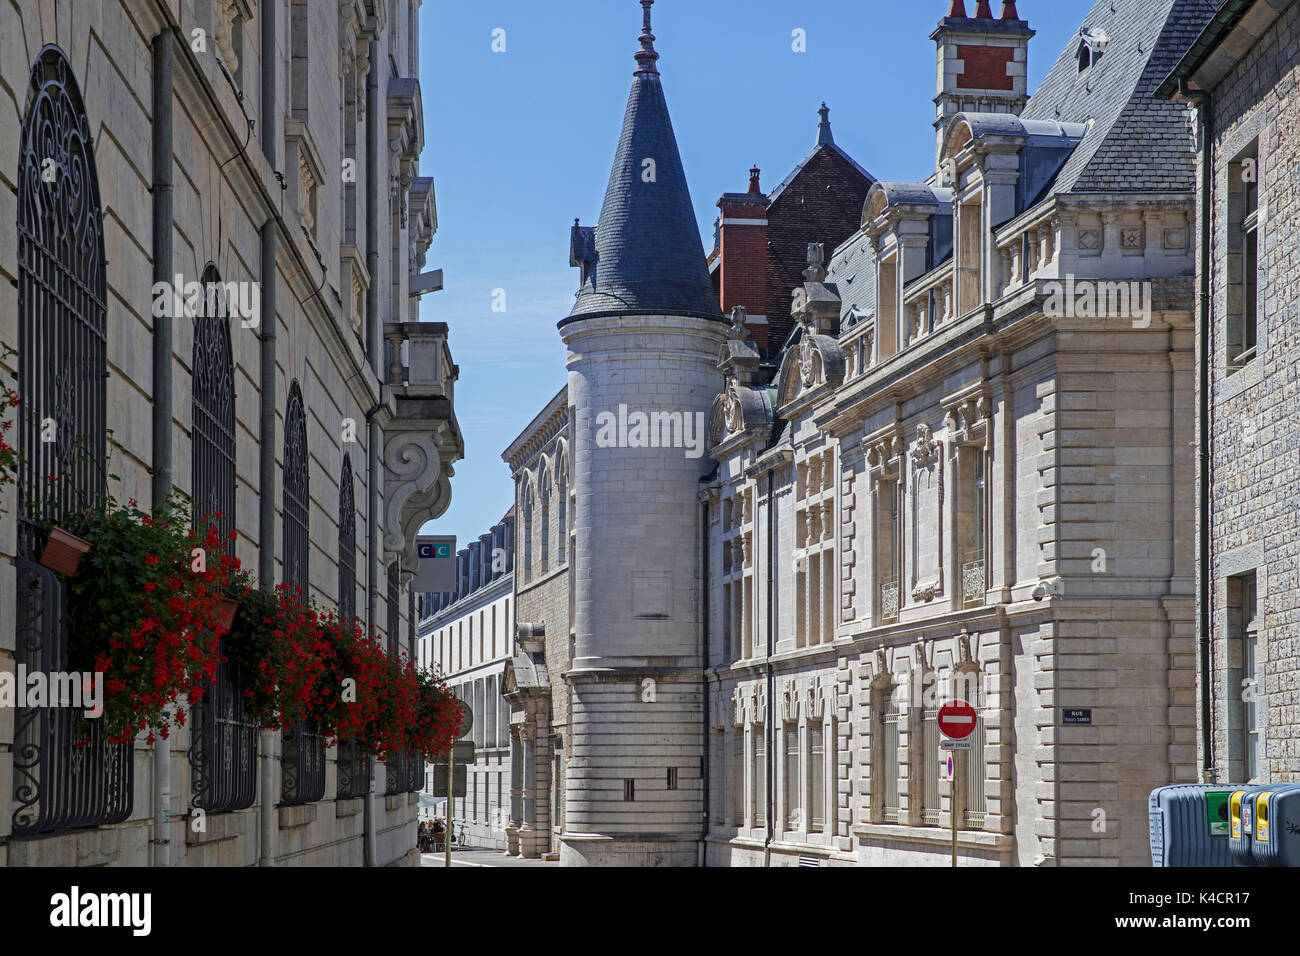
(1137, 143)
(852, 270)
(649, 258)
(825, 139)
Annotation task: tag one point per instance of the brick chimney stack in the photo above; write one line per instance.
(742, 250)
(982, 63)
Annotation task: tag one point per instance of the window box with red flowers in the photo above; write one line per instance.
(143, 611)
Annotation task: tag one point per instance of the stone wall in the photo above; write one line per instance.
(222, 197)
(1253, 456)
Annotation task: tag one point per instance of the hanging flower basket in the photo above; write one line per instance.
(227, 608)
(63, 552)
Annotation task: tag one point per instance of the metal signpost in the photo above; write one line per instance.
(466, 723)
(957, 721)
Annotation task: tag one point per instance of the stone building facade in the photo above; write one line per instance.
(1241, 75)
(468, 636)
(760, 243)
(957, 480)
(963, 486)
(278, 152)
(533, 682)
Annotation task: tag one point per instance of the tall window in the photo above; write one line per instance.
(562, 508)
(888, 547)
(296, 492)
(545, 508)
(1247, 635)
(889, 756)
(528, 529)
(347, 544)
(793, 814)
(353, 760)
(971, 524)
(62, 371)
(929, 775)
(395, 610)
(976, 771)
(758, 803)
(738, 776)
(1243, 254)
(816, 777)
(223, 748)
(302, 761)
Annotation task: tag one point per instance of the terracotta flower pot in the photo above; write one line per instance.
(63, 552)
(227, 608)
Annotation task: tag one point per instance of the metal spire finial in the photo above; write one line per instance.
(647, 56)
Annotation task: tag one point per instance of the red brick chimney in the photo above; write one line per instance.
(983, 63)
(742, 252)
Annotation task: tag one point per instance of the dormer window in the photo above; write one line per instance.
(1092, 44)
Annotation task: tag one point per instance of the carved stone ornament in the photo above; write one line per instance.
(925, 449)
(732, 413)
(807, 362)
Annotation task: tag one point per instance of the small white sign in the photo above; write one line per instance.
(946, 744)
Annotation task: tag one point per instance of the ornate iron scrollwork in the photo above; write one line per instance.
(64, 776)
(223, 745)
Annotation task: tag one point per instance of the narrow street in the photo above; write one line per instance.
(478, 857)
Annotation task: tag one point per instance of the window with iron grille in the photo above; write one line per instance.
(816, 777)
(302, 761)
(296, 492)
(889, 756)
(976, 772)
(404, 772)
(62, 376)
(929, 775)
(793, 813)
(738, 777)
(395, 610)
(347, 544)
(353, 769)
(223, 742)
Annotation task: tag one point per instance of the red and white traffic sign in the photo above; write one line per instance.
(957, 719)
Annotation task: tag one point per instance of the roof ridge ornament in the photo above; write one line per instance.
(824, 137)
(646, 56)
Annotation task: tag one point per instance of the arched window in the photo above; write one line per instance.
(528, 528)
(223, 748)
(561, 511)
(62, 373)
(394, 610)
(347, 544)
(303, 750)
(353, 761)
(296, 491)
(545, 509)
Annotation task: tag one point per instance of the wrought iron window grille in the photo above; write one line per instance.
(59, 782)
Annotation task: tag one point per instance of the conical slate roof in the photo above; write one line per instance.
(648, 254)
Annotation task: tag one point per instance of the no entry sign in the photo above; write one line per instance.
(957, 719)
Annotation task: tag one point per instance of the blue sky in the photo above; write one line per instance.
(520, 143)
